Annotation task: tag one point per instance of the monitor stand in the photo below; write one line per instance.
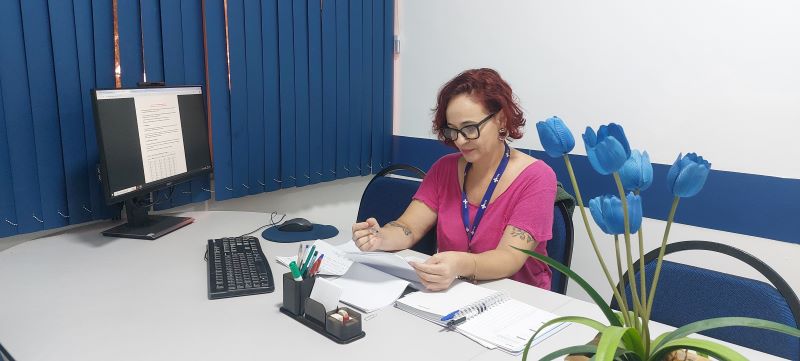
(143, 226)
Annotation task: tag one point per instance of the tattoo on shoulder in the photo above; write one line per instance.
(405, 229)
(516, 232)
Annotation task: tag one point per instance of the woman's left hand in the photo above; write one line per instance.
(439, 271)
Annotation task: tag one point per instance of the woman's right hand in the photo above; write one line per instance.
(367, 235)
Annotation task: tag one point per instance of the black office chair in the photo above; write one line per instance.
(387, 197)
(560, 246)
(687, 294)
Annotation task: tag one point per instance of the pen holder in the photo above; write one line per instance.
(295, 293)
(298, 305)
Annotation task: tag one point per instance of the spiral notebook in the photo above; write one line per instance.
(493, 319)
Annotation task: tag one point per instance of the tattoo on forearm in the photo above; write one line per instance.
(405, 229)
(516, 232)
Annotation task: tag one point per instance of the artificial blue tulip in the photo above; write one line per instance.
(637, 172)
(607, 213)
(608, 149)
(687, 175)
(556, 138)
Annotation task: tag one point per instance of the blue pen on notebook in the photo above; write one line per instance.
(450, 316)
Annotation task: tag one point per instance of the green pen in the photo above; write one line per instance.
(308, 259)
(295, 271)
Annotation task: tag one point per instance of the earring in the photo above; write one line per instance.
(502, 134)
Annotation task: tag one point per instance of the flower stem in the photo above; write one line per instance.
(643, 290)
(642, 282)
(652, 295)
(637, 306)
(621, 301)
(619, 263)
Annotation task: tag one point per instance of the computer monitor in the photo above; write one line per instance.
(149, 139)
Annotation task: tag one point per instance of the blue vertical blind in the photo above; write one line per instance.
(53, 54)
(300, 92)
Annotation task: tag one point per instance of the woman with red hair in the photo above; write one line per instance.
(484, 199)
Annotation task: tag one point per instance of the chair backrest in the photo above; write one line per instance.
(560, 246)
(387, 197)
(687, 294)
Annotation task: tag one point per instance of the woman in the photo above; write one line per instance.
(483, 200)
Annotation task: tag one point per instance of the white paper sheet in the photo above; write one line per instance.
(160, 136)
(327, 293)
(391, 263)
(368, 289)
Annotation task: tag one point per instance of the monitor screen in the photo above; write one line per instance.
(150, 138)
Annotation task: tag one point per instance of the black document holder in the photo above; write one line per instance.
(298, 305)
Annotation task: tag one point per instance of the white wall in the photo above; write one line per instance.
(717, 77)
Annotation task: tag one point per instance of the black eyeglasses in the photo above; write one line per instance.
(471, 132)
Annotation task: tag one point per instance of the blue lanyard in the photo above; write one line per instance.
(486, 197)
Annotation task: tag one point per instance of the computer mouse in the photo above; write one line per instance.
(296, 225)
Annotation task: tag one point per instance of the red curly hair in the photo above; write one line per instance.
(486, 87)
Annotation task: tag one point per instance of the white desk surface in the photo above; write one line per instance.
(82, 296)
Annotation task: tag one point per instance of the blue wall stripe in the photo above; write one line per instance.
(103, 27)
(94, 207)
(192, 31)
(315, 133)
(70, 109)
(750, 204)
(151, 33)
(194, 66)
(172, 43)
(238, 73)
(130, 42)
(329, 86)
(376, 119)
(388, 78)
(356, 87)
(255, 96)
(44, 106)
(21, 142)
(7, 206)
(182, 192)
(367, 88)
(287, 93)
(272, 111)
(163, 57)
(343, 128)
(300, 14)
(219, 109)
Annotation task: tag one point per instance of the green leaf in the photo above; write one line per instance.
(607, 311)
(610, 342)
(574, 319)
(712, 323)
(572, 350)
(633, 341)
(707, 347)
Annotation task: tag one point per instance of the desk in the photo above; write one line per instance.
(82, 296)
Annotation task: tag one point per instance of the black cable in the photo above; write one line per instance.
(272, 223)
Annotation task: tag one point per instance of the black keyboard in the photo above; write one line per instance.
(237, 267)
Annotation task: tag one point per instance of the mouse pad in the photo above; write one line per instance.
(318, 231)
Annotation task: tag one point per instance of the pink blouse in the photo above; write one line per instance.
(527, 204)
